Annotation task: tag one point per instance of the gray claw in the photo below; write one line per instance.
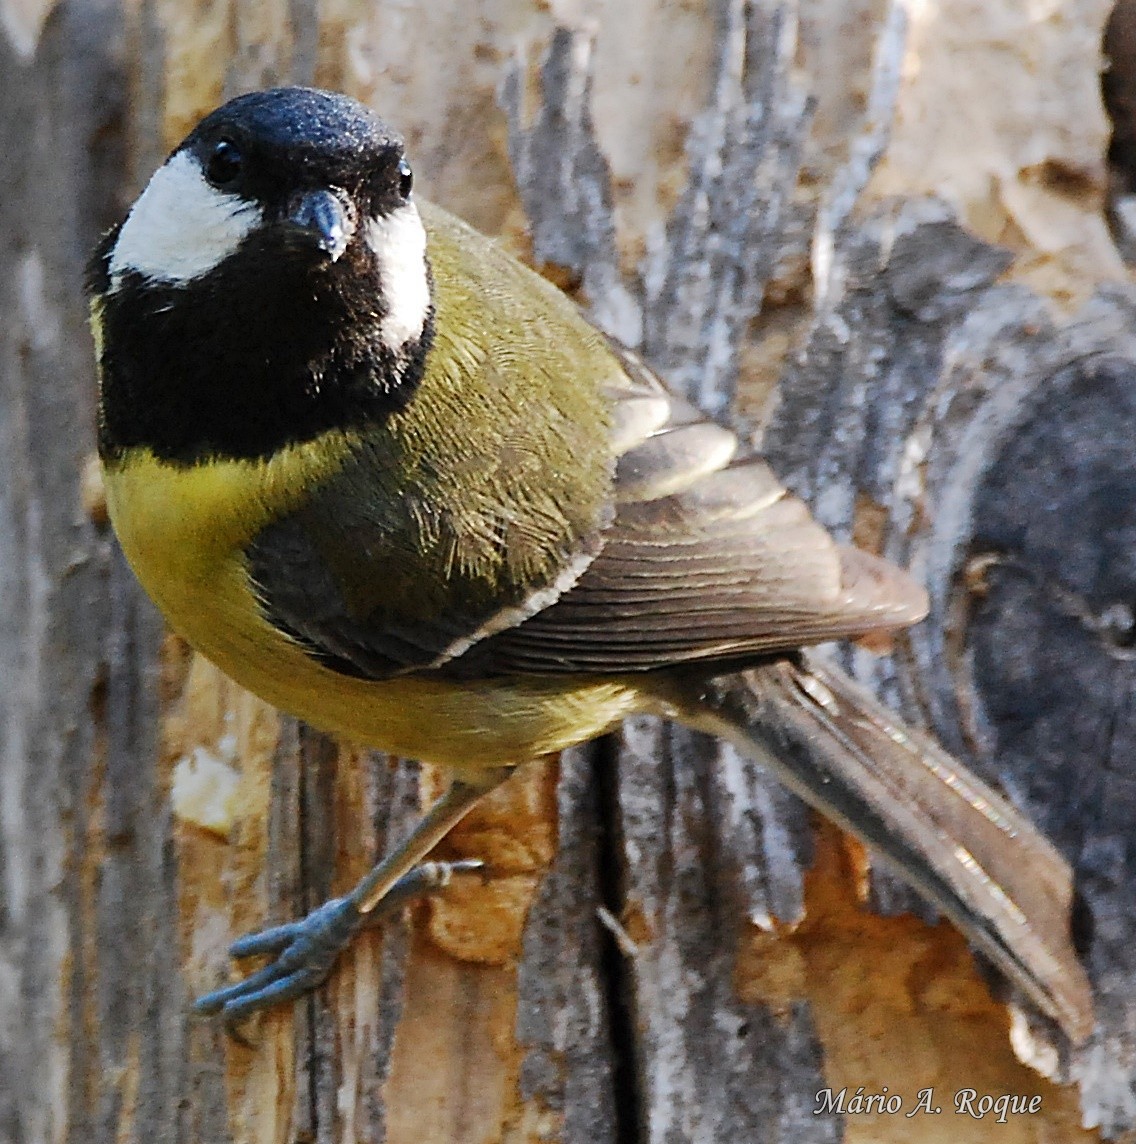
(265, 941)
(305, 951)
(425, 878)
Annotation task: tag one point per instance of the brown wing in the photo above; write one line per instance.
(709, 558)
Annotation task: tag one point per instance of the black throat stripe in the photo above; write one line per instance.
(269, 349)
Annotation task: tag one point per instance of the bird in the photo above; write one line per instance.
(391, 480)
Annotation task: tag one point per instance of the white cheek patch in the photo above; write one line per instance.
(180, 227)
(398, 243)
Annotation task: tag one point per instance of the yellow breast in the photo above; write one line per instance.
(185, 531)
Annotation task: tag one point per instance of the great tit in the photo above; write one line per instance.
(392, 481)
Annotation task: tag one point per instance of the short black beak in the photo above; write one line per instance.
(324, 218)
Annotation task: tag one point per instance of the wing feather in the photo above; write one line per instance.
(709, 558)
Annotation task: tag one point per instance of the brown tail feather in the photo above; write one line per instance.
(942, 829)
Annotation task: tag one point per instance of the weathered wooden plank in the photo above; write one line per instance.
(89, 973)
(566, 983)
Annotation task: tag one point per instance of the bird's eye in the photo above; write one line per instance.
(224, 164)
(405, 178)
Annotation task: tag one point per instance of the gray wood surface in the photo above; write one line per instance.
(87, 961)
(945, 419)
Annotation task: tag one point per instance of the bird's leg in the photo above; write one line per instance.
(306, 950)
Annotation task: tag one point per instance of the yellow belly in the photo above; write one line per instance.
(184, 532)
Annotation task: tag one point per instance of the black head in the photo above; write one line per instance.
(273, 147)
(270, 283)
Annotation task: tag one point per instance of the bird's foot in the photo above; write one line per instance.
(305, 951)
